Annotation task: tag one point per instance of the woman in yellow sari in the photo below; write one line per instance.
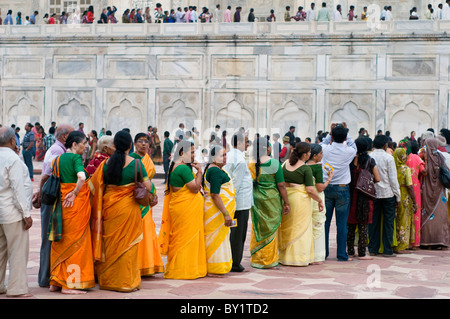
(149, 257)
(116, 218)
(270, 203)
(71, 262)
(182, 237)
(296, 240)
(220, 206)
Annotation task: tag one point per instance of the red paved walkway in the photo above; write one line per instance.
(421, 274)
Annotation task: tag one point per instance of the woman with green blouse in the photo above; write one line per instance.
(181, 236)
(270, 203)
(220, 206)
(318, 217)
(296, 244)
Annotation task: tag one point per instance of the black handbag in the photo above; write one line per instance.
(365, 183)
(52, 189)
(444, 173)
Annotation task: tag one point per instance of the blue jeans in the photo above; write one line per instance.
(28, 160)
(46, 245)
(382, 207)
(337, 199)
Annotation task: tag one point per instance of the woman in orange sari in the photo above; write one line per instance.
(72, 267)
(116, 220)
(149, 257)
(181, 236)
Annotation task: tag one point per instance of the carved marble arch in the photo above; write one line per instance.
(410, 118)
(125, 115)
(74, 112)
(353, 116)
(233, 116)
(22, 112)
(175, 114)
(291, 114)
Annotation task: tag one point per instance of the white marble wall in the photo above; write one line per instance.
(397, 81)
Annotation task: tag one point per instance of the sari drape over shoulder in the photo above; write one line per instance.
(434, 223)
(295, 235)
(266, 217)
(404, 216)
(149, 257)
(217, 235)
(117, 229)
(71, 262)
(181, 237)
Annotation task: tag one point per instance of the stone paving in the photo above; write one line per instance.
(420, 274)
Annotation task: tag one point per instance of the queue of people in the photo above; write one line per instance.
(100, 229)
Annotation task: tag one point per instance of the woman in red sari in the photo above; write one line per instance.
(418, 170)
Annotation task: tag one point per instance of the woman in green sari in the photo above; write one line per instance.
(270, 203)
(404, 216)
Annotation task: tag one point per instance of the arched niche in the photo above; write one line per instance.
(74, 112)
(411, 118)
(125, 115)
(22, 112)
(233, 116)
(354, 117)
(178, 113)
(291, 115)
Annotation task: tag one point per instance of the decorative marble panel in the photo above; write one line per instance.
(412, 68)
(74, 67)
(126, 67)
(232, 110)
(178, 106)
(126, 108)
(355, 108)
(22, 106)
(411, 111)
(289, 68)
(295, 108)
(23, 67)
(242, 67)
(73, 106)
(351, 67)
(180, 67)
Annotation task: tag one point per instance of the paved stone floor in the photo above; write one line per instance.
(420, 274)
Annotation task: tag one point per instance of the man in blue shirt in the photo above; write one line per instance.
(33, 17)
(338, 151)
(29, 148)
(8, 19)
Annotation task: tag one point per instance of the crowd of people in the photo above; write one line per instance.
(192, 14)
(97, 225)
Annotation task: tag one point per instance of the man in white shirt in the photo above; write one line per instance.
(337, 14)
(446, 10)
(194, 15)
(388, 198)
(217, 14)
(242, 180)
(16, 191)
(179, 16)
(338, 155)
(388, 14)
(311, 13)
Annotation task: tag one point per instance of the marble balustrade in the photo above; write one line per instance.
(264, 76)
